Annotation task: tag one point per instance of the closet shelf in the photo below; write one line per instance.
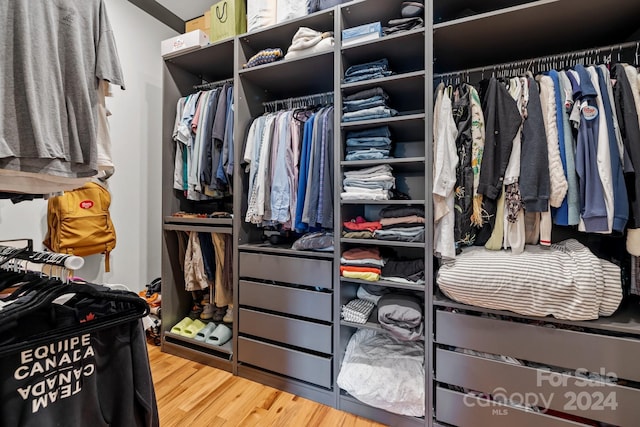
(389, 81)
(500, 29)
(393, 38)
(382, 202)
(197, 63)
(387, 283)
(281, 35)
(377, 242)
(449, 10)
(400, 118)
(226, 348)
(361, 12)
(375, 326)
(282, 250)
(198, 221)
(405, 51)
(625, 321)
(293, 77)
(397, 163)
(198, 228)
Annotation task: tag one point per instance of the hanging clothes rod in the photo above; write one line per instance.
(299, 102)
(526, 64)
(7, 253)
(212, 85)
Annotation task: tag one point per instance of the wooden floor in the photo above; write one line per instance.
(191, 394)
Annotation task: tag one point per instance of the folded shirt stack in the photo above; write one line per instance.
(319, 241)
(367, 104)
(357, 311)
(361, 263)
(408, 271)
(371, 183)
(369, 144)
(360, 228)
(401, 223)
(367, 71)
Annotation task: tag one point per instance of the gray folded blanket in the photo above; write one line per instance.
(401, 316)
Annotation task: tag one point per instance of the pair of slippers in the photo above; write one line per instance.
(214, 334)
(209, 333)
(188, 327)
(412, 9)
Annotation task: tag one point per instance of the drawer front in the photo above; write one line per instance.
(287, 300)
(463, 410)
(298, 271)
(550, 346)
(607, 403)
(295, 332)
(284, 361)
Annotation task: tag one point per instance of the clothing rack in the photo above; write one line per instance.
(543, 63)
(298, 102)
(26, 253)
(212, 85)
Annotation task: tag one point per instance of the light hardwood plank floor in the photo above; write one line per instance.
(191, 394)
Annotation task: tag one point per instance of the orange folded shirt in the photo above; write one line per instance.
(360, 269)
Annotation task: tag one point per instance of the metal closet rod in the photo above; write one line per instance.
(212, 85)
(578, 54)
(298, 102)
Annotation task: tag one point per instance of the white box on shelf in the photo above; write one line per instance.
(361, 33)
(187, 42)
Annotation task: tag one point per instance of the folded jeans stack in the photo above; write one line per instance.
(361, 263)
(368, 71)
(368, 144)
(368, 104)
(401, 223)
(371, 183)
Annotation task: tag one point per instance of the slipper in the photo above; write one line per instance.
(412, 9)
(204, 333)
(220, 335)
(193, 328)
(181, 325)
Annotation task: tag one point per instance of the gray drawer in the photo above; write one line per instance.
(298, 271)
(295, 332)
(284, 361)
(549, 346)
(560, 391)
(287, 300)
(463, 410)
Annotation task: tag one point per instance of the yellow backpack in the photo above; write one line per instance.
(79, 222)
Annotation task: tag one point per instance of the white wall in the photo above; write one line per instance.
(136, 138)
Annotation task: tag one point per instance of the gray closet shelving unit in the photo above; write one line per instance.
(180, 74)
(287, 331)
(284, 297)
(503, 31)
(409, 59)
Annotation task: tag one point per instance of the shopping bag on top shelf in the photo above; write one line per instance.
(228, 18)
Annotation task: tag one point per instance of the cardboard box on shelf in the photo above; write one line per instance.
(202, 23)
(183, 43)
